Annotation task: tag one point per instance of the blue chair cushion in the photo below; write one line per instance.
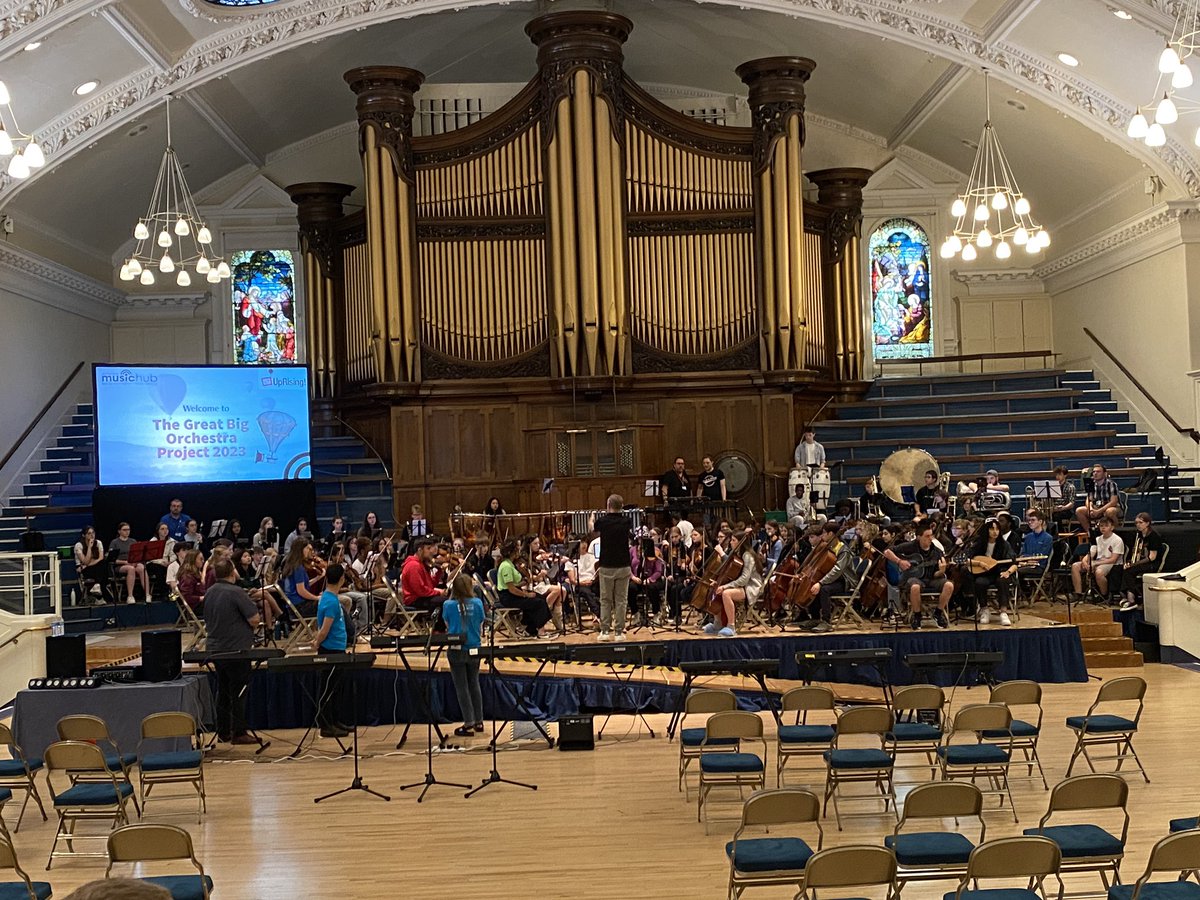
(973, 754)
(929, 848)
(914, 731)
(1185, 824)
(1101, 724)
(694, 737)
(179, 759)
(1080, 840)
(5, 795)
(995, 894)
(182, 887)
(15, 890)
(115, 761)
(93, 794)
(859, 759)
(1019, 730)
(10, 767)
(728, 763)
(1162, 890)
(769, 854)
(805, 734)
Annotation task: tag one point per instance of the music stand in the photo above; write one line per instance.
(356, 784)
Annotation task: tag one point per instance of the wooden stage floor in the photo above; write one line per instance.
(607, 824)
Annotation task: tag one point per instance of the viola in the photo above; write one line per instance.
(314, 568)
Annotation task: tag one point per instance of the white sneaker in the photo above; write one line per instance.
(620, 638)
(1004, 619)
(985, 617)
(1128, 604)
(710, 628)
(605, 637)
(130, 600)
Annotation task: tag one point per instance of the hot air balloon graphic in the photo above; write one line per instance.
(275, 426)
(168, 392)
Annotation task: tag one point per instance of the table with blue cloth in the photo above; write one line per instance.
(121, 706)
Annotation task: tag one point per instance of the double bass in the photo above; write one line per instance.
(875, 584)
(781, 578)
(818, 564)
(718, 570)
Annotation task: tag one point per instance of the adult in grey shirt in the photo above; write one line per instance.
(230, 617)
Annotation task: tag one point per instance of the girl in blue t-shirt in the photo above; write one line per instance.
(463, 614)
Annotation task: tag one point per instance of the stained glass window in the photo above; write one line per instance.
(901, 309)
(264, 308)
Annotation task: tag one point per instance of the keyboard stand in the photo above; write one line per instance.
(424, 697)
(689, 678)
(810, 667)
(625, 686)
(524, 698)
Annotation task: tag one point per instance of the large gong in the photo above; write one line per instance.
(740, 471)
(906, 466)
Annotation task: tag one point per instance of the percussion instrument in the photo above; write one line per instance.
(907, 467)
(739, 469)
(821, 483)
(800, 475)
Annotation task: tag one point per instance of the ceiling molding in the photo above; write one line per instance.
(296, 24)
(1007, 18)
(24, 21)
(43, 281)
(1088, 209)
(992, 276)
(133, 34)
(336, 133)
(226, 131)
(929, 102)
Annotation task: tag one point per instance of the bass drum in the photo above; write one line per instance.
(905, 467)
(740, 471)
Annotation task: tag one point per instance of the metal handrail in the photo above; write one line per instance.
(981, 358)
(387, 470)
(41, 415)
(32, 628)
(1190, 432)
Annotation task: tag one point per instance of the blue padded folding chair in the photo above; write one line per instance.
(773, 860)
(1031, 858)
(979, 760)
(1026, 695)
(845, 764)
(23, 889)
(176, 766)
(1085, 846)
(804, 739)
(935, 855)
(17, 773)
(95, 792)
(830, 872)
(703, 702)
(94, 730)
(1097, 729)
(722, 765)
(914, 736)
(1179, 853)
(144, 842)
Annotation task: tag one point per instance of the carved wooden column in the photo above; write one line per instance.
(777, 103)
(842, 189)
(385, 110)
(318, 208)
(579, 63)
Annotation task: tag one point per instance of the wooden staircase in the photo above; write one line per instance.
(1104, 645)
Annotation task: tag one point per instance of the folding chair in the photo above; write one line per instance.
(980, 760)
(408, 621)
(915, 736)
(175, 766)
(1186, 824)
(1031, 858)
(871, 765)
(1095, 729)
(34, 890)
(802, 739)
(304, 631)
(934, 855)
(1088, 847)
(95, 793)
(501, 618)
(190, 622)
(844, 603)
(723, 765)
(94, 730)
(704, 702)
(762, 862)
(1174, 853)
(853, 866)
(17, 773)
(1024, 734)
(152, 843)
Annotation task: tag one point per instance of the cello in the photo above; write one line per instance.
(781, 578)
(718, 570)
(819, 564)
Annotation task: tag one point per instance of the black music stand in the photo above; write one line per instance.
(424, 696)
(356, 784)
(494, 776)
(430, 779)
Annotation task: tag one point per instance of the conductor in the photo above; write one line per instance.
(230, 617)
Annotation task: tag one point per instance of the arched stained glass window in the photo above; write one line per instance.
(264, 308)
(901, 298)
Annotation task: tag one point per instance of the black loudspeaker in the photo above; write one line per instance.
(32, 541)
(66, 656)
(162, 655)
(576, 733)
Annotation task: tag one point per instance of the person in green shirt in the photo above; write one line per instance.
(514, 594)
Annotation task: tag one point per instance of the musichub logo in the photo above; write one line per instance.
(127, 376)
(273, 380)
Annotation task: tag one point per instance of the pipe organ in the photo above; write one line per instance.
(584, 234)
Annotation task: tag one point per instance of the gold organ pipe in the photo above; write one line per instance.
(783, 292)
(327, 348)
(620, 272)
(796, 232)
(375, 215)
(558, 290)
(606, 249)
(585, 192)
(311, 342)
(392, 275)
(567, 248)
(765, 214)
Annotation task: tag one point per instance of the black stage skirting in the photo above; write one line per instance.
(385, 695)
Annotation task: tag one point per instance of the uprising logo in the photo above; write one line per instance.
(272, 380)
(128, 376)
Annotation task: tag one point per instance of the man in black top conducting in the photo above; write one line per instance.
(922, 570)
(230, 617)
(676, 483)
(612, 568)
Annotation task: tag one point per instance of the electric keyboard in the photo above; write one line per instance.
(856, 655)
(985, 658)
(546, 651)
(321, 662)
(752, 667)
(417, 642)
(620, 654)
(254, 654)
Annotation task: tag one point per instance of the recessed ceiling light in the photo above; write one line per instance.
(32, 45)
(1017, 105)
(140, 129)
(1068, 60)
(1120, 14)
(86, 88)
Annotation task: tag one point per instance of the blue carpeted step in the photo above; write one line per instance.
(342, 467)
(912, 429)
(986, 383)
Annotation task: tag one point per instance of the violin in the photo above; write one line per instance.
(314, 568)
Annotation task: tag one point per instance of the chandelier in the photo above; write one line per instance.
(171, 238)
(25, 152)
(1174, 75)
(992, 212)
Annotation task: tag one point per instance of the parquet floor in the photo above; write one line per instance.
(606, 824)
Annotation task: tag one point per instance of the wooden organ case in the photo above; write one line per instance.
(581, 285)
